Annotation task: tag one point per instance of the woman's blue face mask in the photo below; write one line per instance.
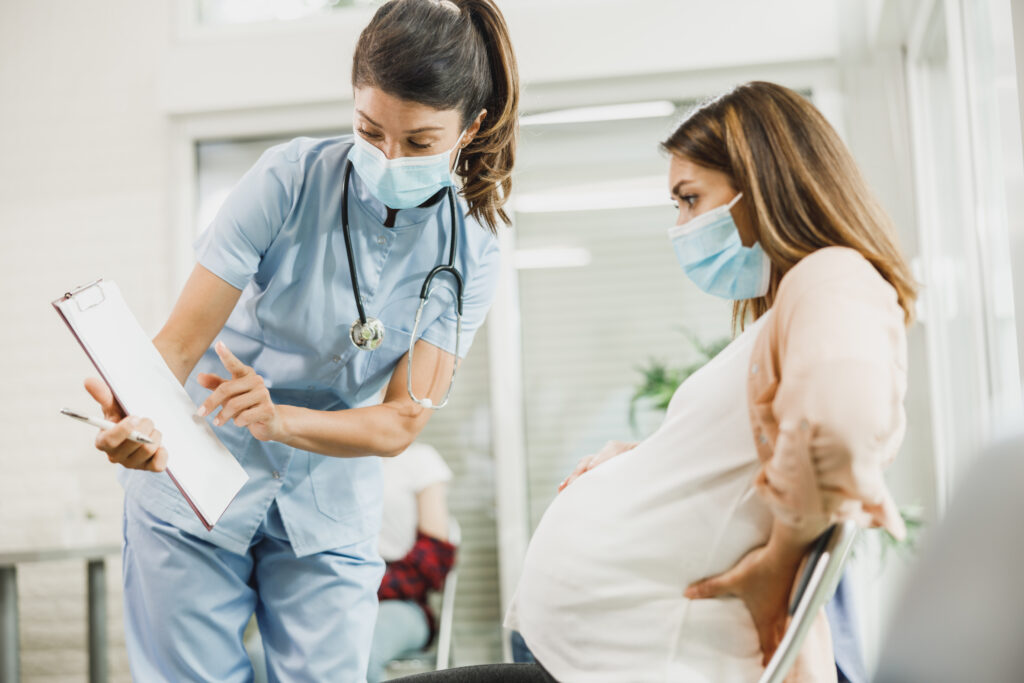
(709, 249)
(404, 182)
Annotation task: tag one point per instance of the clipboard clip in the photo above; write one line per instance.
(98, 297)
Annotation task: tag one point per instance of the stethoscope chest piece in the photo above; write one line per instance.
(367, 336)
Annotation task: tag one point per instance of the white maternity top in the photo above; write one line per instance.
(601, 599)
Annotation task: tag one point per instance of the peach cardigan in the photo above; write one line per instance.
(825, 391)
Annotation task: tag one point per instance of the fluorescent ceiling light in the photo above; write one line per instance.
(552, 257)
(612, 112)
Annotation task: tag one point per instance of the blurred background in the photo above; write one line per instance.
(124, 124)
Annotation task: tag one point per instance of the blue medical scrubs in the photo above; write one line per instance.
(298, 544)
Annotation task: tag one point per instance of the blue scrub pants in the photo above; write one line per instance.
(187, 602)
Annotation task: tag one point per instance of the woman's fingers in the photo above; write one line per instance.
(209, 381)
(589, 462)
(101, 393)
(769, 635)
(158, 463)
(582, 466)
(236, 367)
(240, 403)
(114, 442)
(712, 587)
(140, 458)
(257, 413)
(226, 391)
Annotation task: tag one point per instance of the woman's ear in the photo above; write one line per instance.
(474, 128)
(743, 215)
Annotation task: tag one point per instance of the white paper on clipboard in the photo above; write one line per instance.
(202, 468)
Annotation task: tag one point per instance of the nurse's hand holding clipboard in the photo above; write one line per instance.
(243, 398)
(115, 443)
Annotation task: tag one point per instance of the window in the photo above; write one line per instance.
(599, 286)
(964, 117)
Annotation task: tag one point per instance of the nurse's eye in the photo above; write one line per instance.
(690, 199)
(420, 145)
(369, 135)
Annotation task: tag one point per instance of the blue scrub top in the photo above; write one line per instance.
(278, 238)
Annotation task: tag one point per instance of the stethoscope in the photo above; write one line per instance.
(367, 333)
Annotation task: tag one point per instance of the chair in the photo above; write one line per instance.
(442, 648)
(815, 587)
(446, 614)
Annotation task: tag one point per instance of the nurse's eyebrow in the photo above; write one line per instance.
(424, 129)
(676, 189)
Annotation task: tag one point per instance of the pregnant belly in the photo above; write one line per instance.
(613, 540)
(602, 581)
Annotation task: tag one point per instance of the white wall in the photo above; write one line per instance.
(567, 40)
(83, 194)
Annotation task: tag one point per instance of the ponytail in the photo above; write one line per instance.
(486, 163)
(452, 54)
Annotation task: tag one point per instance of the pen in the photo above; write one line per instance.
(106, 424)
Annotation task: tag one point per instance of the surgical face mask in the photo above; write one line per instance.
(405, 182)
(709, 249)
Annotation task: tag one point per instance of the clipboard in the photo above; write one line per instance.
(201, 467)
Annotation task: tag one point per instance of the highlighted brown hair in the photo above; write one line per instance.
(452, 54)
(804, 186)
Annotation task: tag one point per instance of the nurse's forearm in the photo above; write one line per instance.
(176, 356)
(386, 429)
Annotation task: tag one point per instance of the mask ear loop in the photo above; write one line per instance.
(458, 155)
(734, 200)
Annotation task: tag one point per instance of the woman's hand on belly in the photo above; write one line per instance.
(589, 462)
(243, 398)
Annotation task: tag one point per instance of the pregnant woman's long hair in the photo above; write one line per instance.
(802, 182)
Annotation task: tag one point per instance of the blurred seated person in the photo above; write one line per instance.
(414, 544)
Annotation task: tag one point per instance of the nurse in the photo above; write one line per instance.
(301, 309)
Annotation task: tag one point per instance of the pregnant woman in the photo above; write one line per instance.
(784, 432)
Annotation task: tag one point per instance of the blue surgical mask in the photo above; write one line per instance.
(709, 249)
(405, 182)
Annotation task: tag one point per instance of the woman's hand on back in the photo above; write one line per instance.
(763, 579)
(114, 441)
(589, 462)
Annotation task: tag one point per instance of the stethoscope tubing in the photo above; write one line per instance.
(424, 290)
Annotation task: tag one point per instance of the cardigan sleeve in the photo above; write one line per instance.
(839, 404)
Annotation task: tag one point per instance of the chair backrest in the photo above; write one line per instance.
(815, 587)
(446, 614)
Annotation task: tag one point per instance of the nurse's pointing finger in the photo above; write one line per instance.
(236, 367)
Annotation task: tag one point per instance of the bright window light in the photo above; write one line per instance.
(612, 112)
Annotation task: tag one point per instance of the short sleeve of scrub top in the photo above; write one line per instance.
(476, 299)
(251, 216)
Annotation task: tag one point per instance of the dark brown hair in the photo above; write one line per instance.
(801, 181)
(452, 54)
